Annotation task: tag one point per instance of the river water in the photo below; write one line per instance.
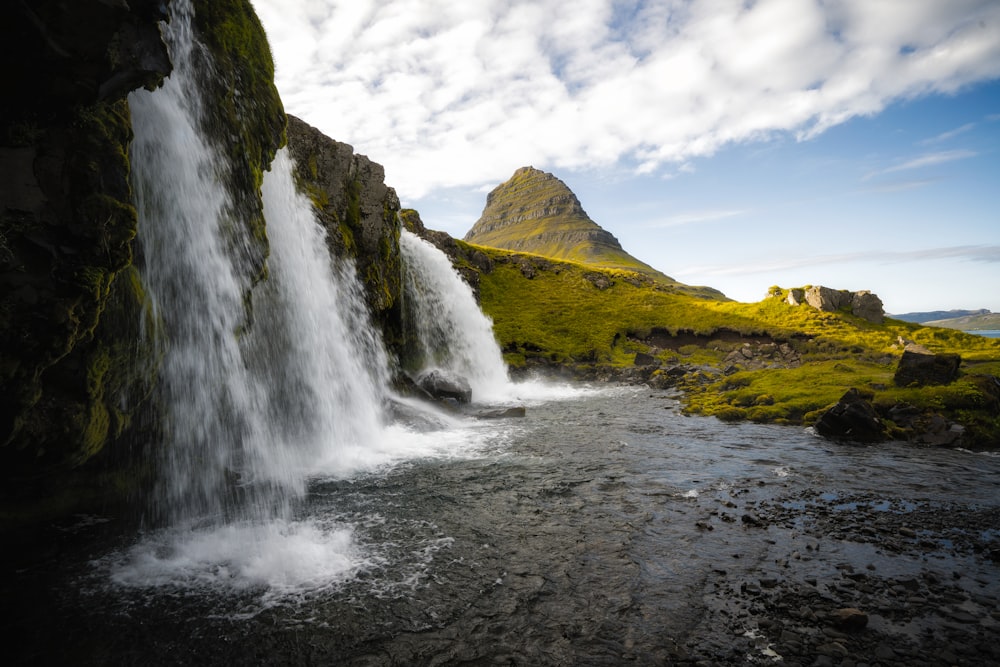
(603, 528)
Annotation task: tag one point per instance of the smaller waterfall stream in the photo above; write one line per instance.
(452, 331)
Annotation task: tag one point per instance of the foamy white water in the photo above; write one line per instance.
(453, 332)
(196, 285)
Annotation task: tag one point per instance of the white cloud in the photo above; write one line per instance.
(973, 253)
(930, 160)
(457, 94)
(950, 134)
(693, 217)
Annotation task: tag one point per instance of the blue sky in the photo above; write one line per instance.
(852, 143)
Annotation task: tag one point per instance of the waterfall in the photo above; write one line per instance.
(248, 409)
(453, 333)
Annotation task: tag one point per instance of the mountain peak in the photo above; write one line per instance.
(536, 212)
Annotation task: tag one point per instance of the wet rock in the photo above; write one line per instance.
(442, 384)
(849, 619)
(507, 413)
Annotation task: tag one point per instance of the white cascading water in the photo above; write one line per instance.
(196, 287)
(452, 331)
(250, 410)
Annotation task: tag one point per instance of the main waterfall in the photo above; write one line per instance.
(249, 408)
(266, 384)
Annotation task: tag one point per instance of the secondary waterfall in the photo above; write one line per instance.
(452, 331)
(248, 409)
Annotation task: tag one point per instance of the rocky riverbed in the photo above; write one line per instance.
(860, 579)
(601, 529)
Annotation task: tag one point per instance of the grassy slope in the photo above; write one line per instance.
(560, 315)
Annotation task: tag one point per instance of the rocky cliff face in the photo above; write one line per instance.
(359, 211)
(74, 373)
(69, 300)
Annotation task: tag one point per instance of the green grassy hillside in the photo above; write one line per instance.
(552, 313)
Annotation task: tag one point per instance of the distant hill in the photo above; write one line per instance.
(986, 320)
(936, 315)
(537, 213)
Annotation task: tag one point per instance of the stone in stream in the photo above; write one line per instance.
(443, 384)
(849, 619)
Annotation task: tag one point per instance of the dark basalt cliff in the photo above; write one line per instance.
(69, 300)
(75, 376)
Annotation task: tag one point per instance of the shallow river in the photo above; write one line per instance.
(603, 528)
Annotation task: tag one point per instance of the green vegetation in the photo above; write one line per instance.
(548, 312)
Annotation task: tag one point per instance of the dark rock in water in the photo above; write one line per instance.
(919, 366)
(849, 619)
(444, 385)
(508, 413)
(853, 418)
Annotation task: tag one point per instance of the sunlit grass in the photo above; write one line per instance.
(567, 313)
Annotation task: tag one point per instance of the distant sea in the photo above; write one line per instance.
(989, 333)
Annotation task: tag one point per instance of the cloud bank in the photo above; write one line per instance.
(456, 94)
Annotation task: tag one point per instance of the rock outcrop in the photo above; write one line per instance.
(70, 301)
(863, 304)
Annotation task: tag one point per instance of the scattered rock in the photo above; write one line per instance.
(643, 359)
(920, 367)
(849, 619)
(853, 418)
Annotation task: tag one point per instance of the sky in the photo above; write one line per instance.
(733, 143)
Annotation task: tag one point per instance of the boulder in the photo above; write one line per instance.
(867, 306)
(852, 418)
(796, 296)
(863, 304)
(442, 384)
(849, 619)
(824, 298)
(920, 367)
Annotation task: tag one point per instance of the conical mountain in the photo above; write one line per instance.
(536, 212)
